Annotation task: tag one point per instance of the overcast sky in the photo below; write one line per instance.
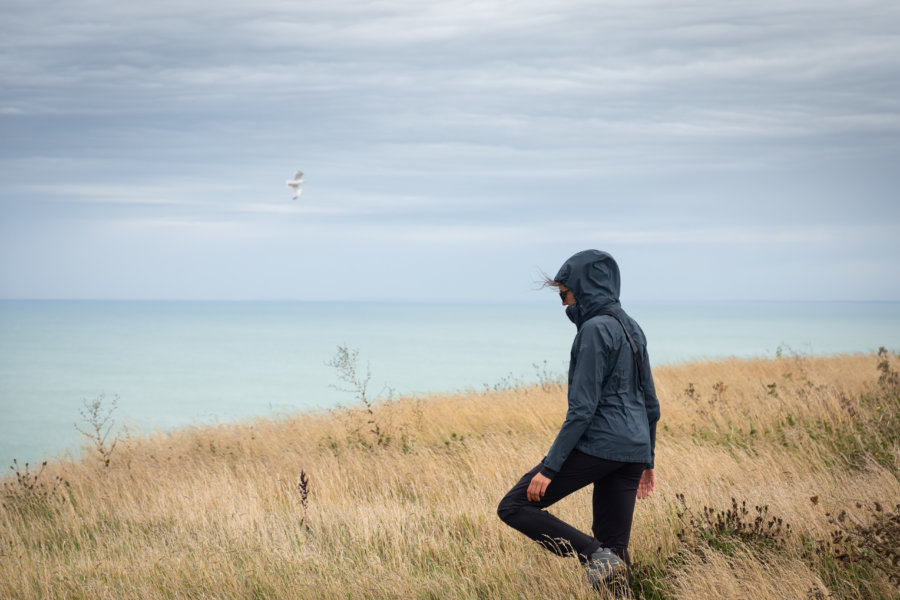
(718, 149)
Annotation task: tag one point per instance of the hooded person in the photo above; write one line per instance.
(608, 437)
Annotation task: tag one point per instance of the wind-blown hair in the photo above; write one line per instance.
(547, 281)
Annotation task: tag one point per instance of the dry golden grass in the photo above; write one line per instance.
(219, 512)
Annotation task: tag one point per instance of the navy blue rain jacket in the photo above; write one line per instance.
(613, 411)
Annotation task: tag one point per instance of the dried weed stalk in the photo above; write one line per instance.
(303, 495)
(874, 540)
(723, 529)
(100, 423)
(29, 495)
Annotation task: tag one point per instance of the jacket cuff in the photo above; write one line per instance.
(548, 472)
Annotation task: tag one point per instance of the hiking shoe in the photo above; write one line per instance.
(601, 566)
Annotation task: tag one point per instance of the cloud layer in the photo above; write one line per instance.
(523, 130)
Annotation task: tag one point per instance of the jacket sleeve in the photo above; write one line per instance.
(589, 356)
(651, 404)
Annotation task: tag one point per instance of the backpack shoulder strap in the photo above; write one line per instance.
(635, 351)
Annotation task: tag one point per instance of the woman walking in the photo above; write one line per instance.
(608, 437)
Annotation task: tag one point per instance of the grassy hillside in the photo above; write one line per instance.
(776, 479)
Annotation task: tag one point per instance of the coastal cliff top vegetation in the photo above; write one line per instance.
(777, 479)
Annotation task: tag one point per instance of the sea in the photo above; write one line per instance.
(160, 365)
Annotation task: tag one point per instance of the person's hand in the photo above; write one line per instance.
(537, 487)
(647, 484)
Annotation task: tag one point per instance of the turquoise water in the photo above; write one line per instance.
(173, 364)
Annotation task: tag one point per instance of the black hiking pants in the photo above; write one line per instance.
(615, 491)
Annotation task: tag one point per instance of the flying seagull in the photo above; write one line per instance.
(295, 183)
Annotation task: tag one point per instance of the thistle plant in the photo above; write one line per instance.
(99, 426)
(29, 494)
(346, 363)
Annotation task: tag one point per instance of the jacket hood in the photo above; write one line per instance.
(593, 277)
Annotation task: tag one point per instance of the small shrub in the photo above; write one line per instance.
(876, 422)
(691, 392)
(720, 389)
(723, 529)
(345, 362)
(888, 379)
(648, 581)
(875, 542)
(508, 382)
(28, 495)
(99, 421)
(455, 440)
(547, 379)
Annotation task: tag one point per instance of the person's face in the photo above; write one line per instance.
(568, 298)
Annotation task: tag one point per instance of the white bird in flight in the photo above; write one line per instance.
(295, 183)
